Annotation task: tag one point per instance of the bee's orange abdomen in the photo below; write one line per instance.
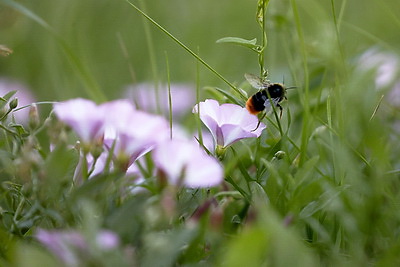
(250, 106)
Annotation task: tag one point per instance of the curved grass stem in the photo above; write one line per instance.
(176, 40)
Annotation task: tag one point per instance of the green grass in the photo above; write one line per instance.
(320, 187)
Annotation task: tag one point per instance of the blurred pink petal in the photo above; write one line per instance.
(83, 116)
(385, 66)
(107, 240)
(228, 123)
(134, 132)
(183, 161)
(71, 247)
(144, 95)
(97, 166)
(63, 244)
(25, 97)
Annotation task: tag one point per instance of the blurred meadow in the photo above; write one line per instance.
(319, 187)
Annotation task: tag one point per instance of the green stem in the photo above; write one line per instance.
(305, 102)
(153, 61)
(169, 95)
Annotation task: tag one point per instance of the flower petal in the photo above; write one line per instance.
(228, 123)
(203, 171)
(83, 116)
(134, 132)
(180, 159)
(233, 133)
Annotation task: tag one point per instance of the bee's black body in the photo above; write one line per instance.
(276, 92)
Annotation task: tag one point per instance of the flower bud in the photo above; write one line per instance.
(318, 131)
(34, 119)
(279, 154)
(96, 150)
(220, 152)
(13, 103)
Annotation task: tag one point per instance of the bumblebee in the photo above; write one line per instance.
(261, 100)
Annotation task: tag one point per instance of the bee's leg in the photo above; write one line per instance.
(259, 122)
(281, 110)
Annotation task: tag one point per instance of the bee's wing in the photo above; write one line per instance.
(255, 81)
(267, 103)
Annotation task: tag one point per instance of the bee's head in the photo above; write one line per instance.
(276, 90)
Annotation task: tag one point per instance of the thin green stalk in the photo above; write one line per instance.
(306, 108)
(36, 103)
(376, 108)
(375, 39)
(389, 11)
(329, 126)
(7, 130)
(17, 214)
(339, 44)
(260, 16)
(341, 13)
(187, 49)
(153, 60)
(198, 121)
(169, 94)
(126, 56)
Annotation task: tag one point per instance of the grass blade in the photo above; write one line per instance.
(176, 40)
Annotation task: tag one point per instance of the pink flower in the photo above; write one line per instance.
(228, 123)
(183, 162)
(385, 66)
(83, 116)
(144, 96)
(96, 166)
(132, 132)
(63, 244)
(107, 240)
(71, 247)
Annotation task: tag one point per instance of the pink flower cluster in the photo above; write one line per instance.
(70, 246)
(129, 133)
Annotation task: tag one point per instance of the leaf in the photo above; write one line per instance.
(58, 167)
(4, 100)
(248, 249)
(259, 195)
(252, 44)
(224, 93)
(167, 245)
(19, 128)
(324, 201)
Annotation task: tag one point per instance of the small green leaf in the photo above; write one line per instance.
(248, 249)
(259, 195)
(252, 44)
(8, 96)
(4, 100)
(19, 128)
(228, 95)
